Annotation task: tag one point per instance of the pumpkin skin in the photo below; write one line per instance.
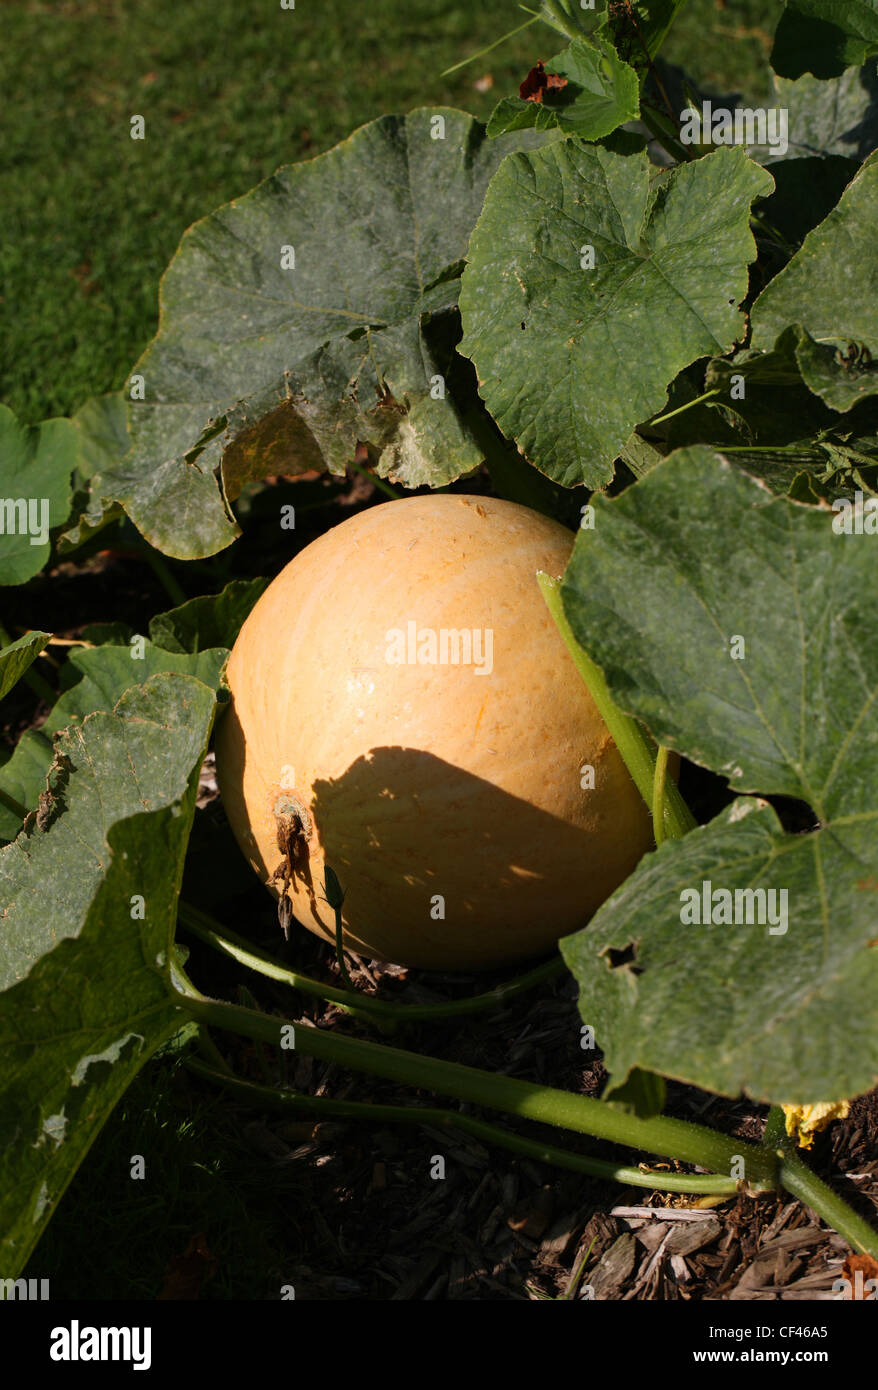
(424, 783)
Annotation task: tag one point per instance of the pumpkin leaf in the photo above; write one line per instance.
(824, 36)
(589, 287)
(783, 1009)
(740, 628)
(211, 621)
(830, 289)
(96, 678)
(313, 314)
(103, 442)
(85, 938)
(18, 656)
(36, 465)
(838, 116)
(600, 93)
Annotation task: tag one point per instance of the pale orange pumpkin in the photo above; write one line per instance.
(447, 795)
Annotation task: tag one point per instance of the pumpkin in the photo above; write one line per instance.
(404, 710)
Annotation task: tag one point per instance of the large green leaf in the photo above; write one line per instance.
(789, 1017)
(261, 369)
(571, 359)
(830, 288)
(36, 464)
(824, 36)
(677, 573)
(18, 656)
(600, 94)
(96, 677)
(85, 939)
(834, 117)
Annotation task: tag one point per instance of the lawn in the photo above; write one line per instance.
(89, 217)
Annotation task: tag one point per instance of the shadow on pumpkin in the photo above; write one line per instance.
(442, 868)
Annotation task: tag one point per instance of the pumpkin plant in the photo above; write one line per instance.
(576, 320)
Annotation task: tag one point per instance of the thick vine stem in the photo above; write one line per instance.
(660, 782)
(628, 735)
(799, 1180)
(230, 944)
(657, 1181)
(660, 1135)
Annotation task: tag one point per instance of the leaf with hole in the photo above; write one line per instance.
(740, 628)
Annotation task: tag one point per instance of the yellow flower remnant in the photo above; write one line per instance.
(804, 1121)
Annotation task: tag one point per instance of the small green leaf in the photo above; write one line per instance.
(332, 888)
(211, 621)
(642, 1093)
(18, 656)
(572, 356)
(601, 93)
(36, 464)
(776, 406)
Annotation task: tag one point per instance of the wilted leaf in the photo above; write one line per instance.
(102, 424)
(638, 29)
(96, 679)
(314, 313)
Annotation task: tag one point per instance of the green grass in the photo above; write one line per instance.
(89, 218)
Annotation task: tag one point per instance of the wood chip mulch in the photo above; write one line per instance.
(498, 1226)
